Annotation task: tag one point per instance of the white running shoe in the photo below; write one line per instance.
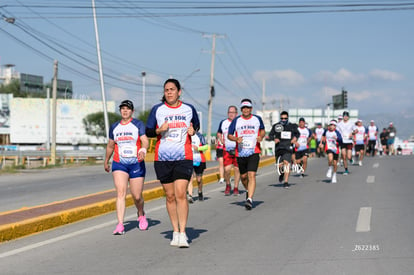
(329, 173)
(175, 239)
(183, 241)
(360, 163)
(334, 178)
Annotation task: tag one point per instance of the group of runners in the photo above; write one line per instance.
(179, 156)
(339, 141)
(179, 153)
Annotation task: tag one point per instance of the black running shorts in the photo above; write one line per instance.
(169, 171)
(248, 164)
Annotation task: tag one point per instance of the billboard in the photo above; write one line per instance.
(29, 118)
(5, 100)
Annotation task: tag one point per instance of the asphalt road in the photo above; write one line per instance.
(363, 224)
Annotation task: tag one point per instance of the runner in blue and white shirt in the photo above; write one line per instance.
(302, 147)
(247, 131)
(173, 122)
(229, 152)
(359, 137)
(128, 144)
(332, 139)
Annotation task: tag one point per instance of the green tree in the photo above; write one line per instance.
(12, 88)
(95, 124)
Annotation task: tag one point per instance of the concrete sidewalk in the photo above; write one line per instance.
(23, 222)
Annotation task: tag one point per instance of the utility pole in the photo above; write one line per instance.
(98, 50)
(48, 119)
(263, 95)
(54, 92)
(212, 91)
(143, 74)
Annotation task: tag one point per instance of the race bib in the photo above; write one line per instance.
(174, 135)
(392, 134)
(128, 151)
(286, 135)
(248, 144)
(303, 141)
(332, 144)
(346, 138)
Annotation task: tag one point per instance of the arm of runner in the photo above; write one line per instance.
(109, 150)
(142, 152)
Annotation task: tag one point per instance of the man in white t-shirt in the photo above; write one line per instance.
(347, 129)
(372, 132)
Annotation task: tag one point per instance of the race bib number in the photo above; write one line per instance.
(174, 135)
(346, 138)
(248, 144)
(286, 135)
(303, 141)
(392, 134)
(332, 144)
(129, 151)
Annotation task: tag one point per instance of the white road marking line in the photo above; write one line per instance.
(376, 165)
(364, 220)
(370, 179)
(70, 235)
(89, 229)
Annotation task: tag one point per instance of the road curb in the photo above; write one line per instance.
(45, 222)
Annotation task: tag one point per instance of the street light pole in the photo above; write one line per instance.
(143, 74)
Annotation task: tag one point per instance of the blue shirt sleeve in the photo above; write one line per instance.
(195, 121)
(219, 127)
(232, 127)
(338, 134)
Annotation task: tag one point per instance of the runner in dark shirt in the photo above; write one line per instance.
(284, 134)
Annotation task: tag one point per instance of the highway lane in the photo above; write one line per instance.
(361, 225)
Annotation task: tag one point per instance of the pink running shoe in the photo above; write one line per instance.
(143, 223)
(119, 230)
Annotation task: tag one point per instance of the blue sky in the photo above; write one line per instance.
(304, 58)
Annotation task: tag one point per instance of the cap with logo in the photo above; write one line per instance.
(245, 104)
(127, 103)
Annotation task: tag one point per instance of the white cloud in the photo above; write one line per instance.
(363, 95)
(282, 77)
(118, 94)
(341, 76)
(385, 75)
